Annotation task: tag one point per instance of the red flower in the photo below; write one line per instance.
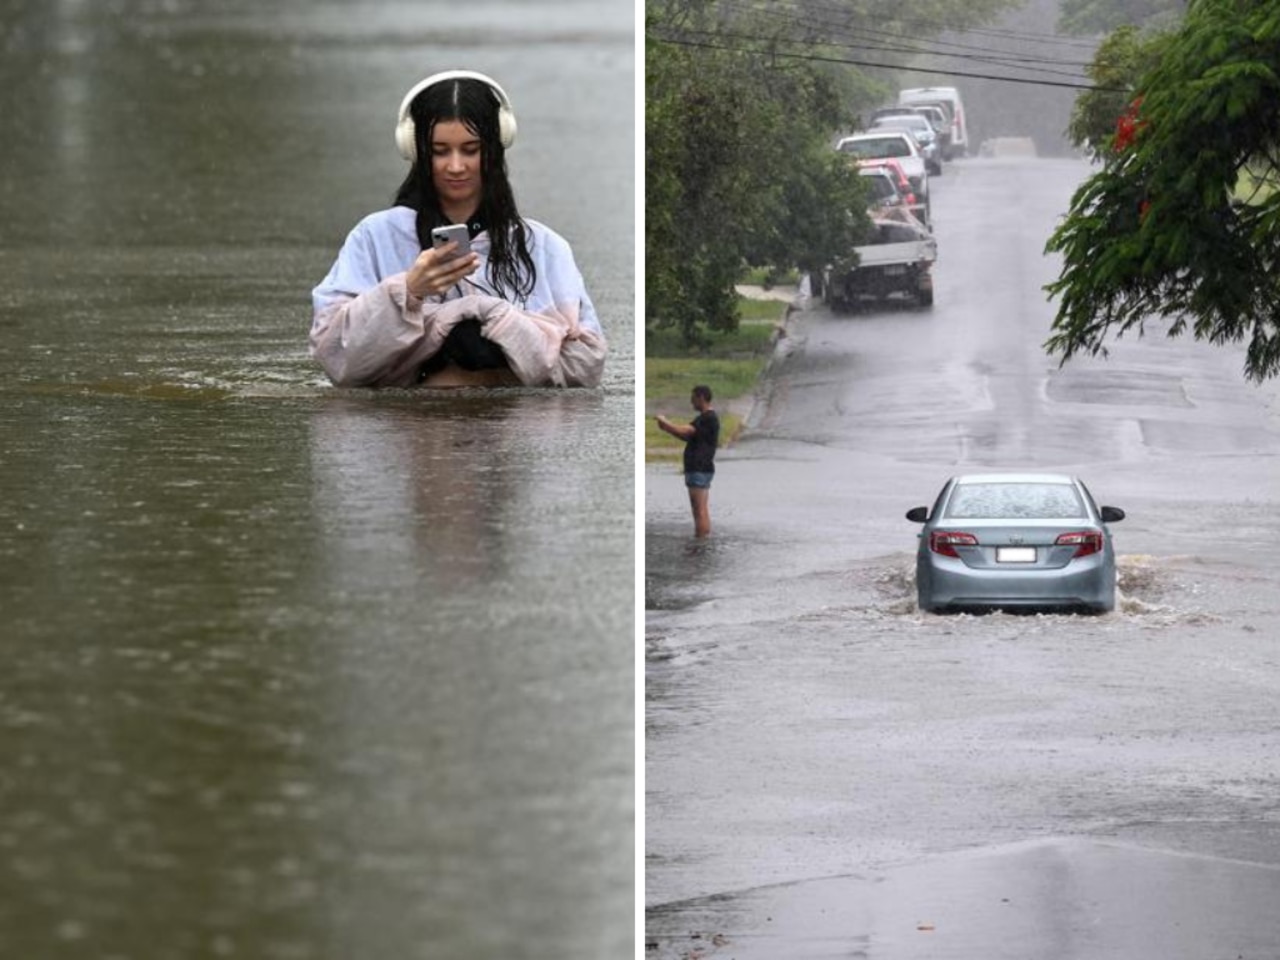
(1128, 126)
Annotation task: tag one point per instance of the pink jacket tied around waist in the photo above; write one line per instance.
(368, 331)
(383, 337)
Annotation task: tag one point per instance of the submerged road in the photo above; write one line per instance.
(831, 773)
(293, 672)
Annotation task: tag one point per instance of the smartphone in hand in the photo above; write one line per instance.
(458, 233)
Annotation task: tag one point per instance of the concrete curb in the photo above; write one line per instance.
(783, 346)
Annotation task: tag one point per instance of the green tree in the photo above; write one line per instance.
(1101, 16)
(739, 170)
(1121, 59)
(743, 99)
(689, 276)
(1168, 228)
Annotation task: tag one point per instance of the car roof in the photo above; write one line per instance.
(873, 135)
(950, 91)
(880, 136)
(884, 163)
(1014, 478)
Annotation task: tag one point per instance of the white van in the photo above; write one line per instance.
(949, 97)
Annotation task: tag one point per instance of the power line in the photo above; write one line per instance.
(889, 48)
(838, 8)
(994, 55)
(884, 66)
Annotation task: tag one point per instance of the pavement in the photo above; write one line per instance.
(1053, 898)
(786, 293)
(753, 407)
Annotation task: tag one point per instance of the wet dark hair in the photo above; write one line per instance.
(473, 102)
(702, 391)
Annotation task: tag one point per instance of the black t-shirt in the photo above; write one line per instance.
(700, 449)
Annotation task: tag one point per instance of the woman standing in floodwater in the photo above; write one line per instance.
(397, 311)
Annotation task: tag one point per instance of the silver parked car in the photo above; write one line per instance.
(895, 144)
(940, 120)
(922, 130)
(1015, 540)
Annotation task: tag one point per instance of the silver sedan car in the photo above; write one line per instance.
(1015, 540)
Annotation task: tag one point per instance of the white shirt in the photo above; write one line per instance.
(386, 243)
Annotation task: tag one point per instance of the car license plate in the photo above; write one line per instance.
(894, 270)
(1015, 554)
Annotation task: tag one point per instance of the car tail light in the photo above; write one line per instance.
(946, 541)
(1085, 542)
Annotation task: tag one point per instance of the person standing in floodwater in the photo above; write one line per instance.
(701, 437)
(398, 310)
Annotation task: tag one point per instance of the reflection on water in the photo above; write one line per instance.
(489, 499)
(294, 672)
(335, 670)
(428, 488)
(492, 684)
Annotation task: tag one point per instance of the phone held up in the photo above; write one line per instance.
(458, 233)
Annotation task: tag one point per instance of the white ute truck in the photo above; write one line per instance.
(898, 259)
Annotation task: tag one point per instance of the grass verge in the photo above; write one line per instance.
(730, 364)
(768, 277)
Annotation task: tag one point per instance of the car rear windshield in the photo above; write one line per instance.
(915, 122)
(878, 148)
(1015, 501)
(941, 105)
(879, 186)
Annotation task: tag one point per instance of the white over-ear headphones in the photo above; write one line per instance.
(404, 122)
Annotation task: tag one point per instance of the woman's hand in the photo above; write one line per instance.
(436, 270)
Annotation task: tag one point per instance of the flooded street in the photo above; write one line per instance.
(296, 672)
(831, 773)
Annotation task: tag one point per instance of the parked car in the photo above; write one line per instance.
(898, 111)
(1015, 541)
(940, 119)
(897, 144)
(950, 98)
(883, 192)
(896, 259)
(918, 208)
(920, 128)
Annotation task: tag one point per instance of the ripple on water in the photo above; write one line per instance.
(1150, 591)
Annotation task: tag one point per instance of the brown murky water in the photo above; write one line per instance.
(293, 672)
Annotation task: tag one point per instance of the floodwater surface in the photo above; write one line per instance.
(291, 671)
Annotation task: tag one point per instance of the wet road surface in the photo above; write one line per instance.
(294, 672)
(829, 771)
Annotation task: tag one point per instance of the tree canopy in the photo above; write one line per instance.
(1182, 223)
(739, 171)
(743, 99)
(1100, 16)
(1121, 59)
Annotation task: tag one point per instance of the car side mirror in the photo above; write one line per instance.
(1111, 514)
(918, 514)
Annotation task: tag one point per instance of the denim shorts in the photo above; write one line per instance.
(700, 480)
